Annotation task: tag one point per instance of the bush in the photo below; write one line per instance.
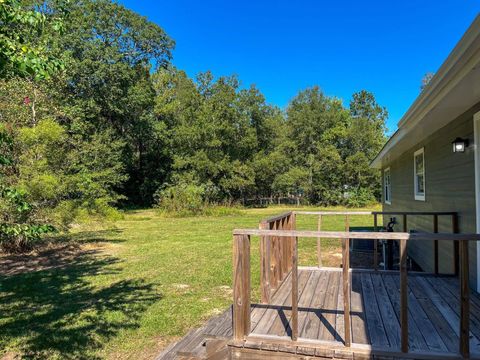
(181, 199)
(360, 198)
(189, 199)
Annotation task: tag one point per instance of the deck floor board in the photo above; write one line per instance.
(375, 310)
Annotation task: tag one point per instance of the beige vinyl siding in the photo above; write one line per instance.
(449, 186)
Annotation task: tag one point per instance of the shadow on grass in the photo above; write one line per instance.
(58, 313)
(96, 236)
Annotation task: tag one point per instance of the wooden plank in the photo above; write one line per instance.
(435, 245)
(311, 326)
(387, 312)
(418, 236)
(404, 292)
(274, 258)
(451, 285)
(241, 287)
(375, 326)
(282, 325)
(265, 289)
(306, 300)
(392, 284)
(333, 213)
(285, 249)
(346, 287)
(271, 312)
(442, 213)
(327, 327)
(419, 319)
(454, 301)
(359, 330)
(375, 243)
(340, 319)
(294, 321)
(274, 218)
(430, 305)
(456, 254)
(259, 312)
(319, 242)
(464, 301)
(330, 350)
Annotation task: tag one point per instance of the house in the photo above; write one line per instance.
(432, 162)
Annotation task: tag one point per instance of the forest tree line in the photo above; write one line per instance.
(108, 121)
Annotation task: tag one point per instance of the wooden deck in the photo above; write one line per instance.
(375, 302)
(375, 312)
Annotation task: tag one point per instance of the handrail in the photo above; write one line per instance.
(241, 286)
(441, 213)
(404, 214)
(423, 236)
(277, 217)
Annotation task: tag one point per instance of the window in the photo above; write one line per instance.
(387, 187)
(419, 174)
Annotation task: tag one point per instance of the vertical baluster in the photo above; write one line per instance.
(403, 295)
(464, 300)
(265, 268)
(346, 287)
(294, 319)
(435, 244)
(241, 287)
(319, 242)
(455, 230)
(375, 242)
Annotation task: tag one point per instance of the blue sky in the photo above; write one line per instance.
(343, 46)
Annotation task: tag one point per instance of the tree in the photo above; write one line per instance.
(24, 53)
(108, 88)
(24, 50)
(328, 160)
(219, 133)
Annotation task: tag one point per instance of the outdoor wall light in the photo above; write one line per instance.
(459, 145)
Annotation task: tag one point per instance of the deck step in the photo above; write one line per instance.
(208, 342)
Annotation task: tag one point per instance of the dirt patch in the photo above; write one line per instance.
(49, 257)
(10, 356)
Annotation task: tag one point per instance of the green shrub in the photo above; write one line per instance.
(360, 198)
(181, 199)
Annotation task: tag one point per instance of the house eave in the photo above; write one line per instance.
(454, 78)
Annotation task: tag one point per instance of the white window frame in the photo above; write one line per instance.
(387, 191)
(419, 196)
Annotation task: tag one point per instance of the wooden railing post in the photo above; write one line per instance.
(274, 257)
(319, 242)
(346, 287)
(241, 287)
(464, 300)
(294, 322)
(456, 256)
(375, 242)
(403, 296)
(265, 270)
(294, 252)
(284, 249)
(435, 244)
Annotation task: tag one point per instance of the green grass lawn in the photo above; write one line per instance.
(132, 286)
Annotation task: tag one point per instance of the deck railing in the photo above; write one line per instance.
(279, 257)
(405, 215)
